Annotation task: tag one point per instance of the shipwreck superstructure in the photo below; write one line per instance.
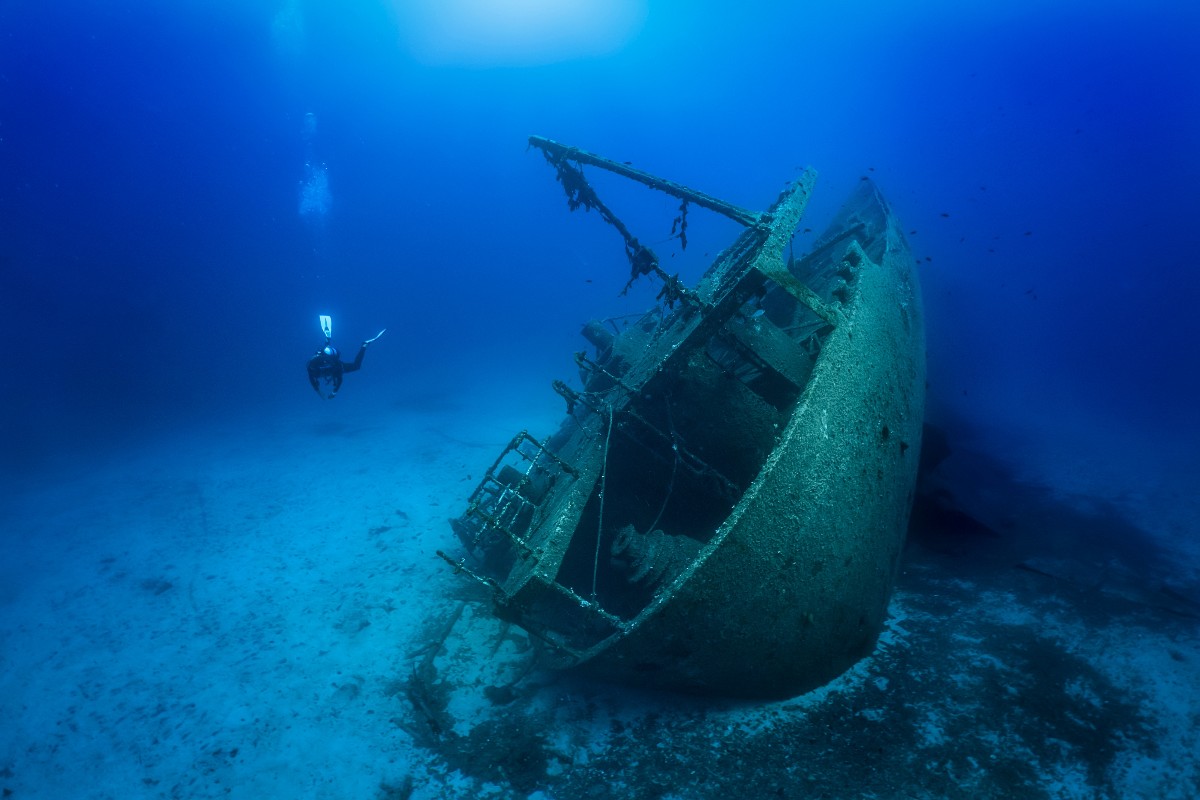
(723, 508)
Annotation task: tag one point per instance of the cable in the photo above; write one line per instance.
(600, 521)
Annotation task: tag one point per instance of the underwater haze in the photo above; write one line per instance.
(185, 187)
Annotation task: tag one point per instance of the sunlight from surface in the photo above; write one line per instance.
(287, 30)
(516, 32)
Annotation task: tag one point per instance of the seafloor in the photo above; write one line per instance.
(255, 610)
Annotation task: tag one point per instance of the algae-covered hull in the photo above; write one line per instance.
(724, 506)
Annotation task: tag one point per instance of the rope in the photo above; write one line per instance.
(674, 467)
(600, 521)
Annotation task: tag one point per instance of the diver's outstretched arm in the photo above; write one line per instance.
(352, 366)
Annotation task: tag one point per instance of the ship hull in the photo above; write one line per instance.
(794, 588)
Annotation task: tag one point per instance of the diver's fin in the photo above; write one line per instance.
(376, 336)
(327, 326)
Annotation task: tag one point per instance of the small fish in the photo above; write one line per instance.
(912, 233)
(870, 169)
(945, 214)
(1029, 233)
(807, 230)
(627, 163)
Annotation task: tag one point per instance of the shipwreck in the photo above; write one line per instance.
(724, 505)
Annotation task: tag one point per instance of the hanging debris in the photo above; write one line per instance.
(680, 224)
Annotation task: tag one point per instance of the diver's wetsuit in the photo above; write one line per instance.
(331, 367)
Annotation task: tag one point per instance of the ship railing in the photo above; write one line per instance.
(505, 503)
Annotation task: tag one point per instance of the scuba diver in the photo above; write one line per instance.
(326, 365)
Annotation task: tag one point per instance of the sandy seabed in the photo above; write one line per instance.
(248, 611)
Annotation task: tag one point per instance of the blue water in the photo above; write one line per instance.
(186, 186)
(170, 224)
